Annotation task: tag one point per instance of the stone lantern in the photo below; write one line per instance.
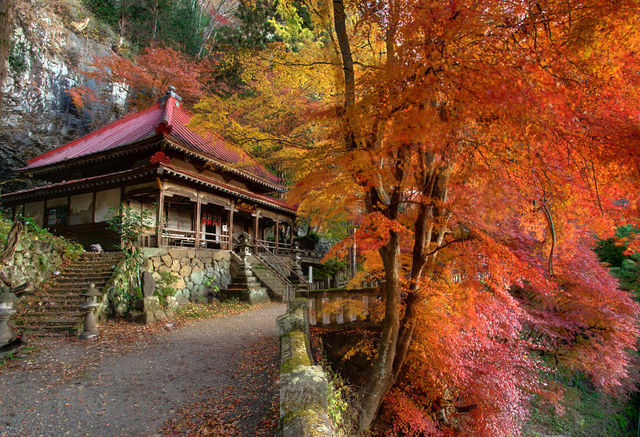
(244, 245)
(297, 260)
(7, 298)
(91, 303)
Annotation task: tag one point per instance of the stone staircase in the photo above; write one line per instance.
(56, 308)
(244, 285)
(277, 283)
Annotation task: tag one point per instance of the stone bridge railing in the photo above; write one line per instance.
(338, 308)
(304, 393)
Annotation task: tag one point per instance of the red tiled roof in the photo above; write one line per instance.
(166, 117)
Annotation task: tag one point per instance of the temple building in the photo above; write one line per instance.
(197, 191)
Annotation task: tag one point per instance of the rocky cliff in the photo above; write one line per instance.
(50, 48)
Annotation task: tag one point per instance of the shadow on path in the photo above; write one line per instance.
(216, 376)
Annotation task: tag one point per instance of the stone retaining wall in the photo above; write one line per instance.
(37, 256)
(194, 267)
(304, 387)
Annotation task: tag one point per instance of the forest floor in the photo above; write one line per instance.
(213, 376)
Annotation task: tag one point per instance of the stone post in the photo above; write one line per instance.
(90, 323)
(7, 298)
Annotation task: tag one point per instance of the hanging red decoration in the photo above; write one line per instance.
(159, 158)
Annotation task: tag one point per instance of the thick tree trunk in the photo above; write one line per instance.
(382, 377)
(339, 19)
(6, 27)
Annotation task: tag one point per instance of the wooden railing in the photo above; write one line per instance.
(179, 237)
(269, 245)
(210, 237)
(271, 261)
(182, 237)
(333, 308)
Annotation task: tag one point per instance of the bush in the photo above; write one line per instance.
(164, 287)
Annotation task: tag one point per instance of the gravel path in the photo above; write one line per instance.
(214, 372)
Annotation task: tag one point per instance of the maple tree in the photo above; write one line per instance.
(480, 147)
(146, 77)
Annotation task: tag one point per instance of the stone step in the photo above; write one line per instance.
(46, 316)
(57, 306)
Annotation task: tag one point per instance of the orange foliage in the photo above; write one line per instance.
(489, 146)
(147, 76)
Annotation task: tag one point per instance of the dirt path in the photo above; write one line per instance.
(215, 376)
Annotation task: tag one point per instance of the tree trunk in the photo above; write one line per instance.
(123, 13)
(382, 377)
(339, 19)
(6, 26)
(155, 21)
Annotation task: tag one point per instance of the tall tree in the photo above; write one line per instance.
(6, 26)
(480, 146)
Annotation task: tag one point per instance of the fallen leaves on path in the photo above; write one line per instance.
(59, 359)
(249, 407)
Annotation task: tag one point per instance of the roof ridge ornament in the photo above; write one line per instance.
(171, 92)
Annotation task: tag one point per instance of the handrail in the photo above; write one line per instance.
(287, 268)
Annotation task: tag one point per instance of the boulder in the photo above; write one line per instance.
(157, 262)
(184, 271)
(167, 260)
(148, 284)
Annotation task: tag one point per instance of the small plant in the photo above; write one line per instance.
(18, 57)
(339, 398)
(164, 287)
(129, 224)
(211, 284)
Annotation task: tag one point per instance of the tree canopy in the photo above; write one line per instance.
(480, 147)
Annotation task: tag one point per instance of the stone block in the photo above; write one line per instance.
(291, 321)
(172, 303)
(148, 284)
(180, 284)
(185, 271)
(304, 389)
(148, 265)
(157, 262)
(308, 424)
(152, 304)
(175, 265)
(181, 299)
(191, 253)
(160, 315)
(167, 260)
(197, 277)
(178, 253)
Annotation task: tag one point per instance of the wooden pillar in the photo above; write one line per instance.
(93, 212)
(66, 221)
(291, 235)
(196, 242)
(230, 225)
(256, 219)
(277, 233)
(45, 217)
(159, 217)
